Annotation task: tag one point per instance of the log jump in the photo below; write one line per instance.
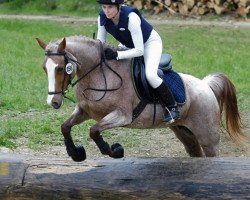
(129, 178)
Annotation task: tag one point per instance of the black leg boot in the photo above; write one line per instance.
(171, 112)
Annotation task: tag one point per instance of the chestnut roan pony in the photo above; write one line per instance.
(105, 93)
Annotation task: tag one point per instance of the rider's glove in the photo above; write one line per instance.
(110, 54)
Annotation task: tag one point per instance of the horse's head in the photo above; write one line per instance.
(60, 67)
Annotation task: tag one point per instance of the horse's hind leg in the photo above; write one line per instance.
(114, 119)
(77, 153)
(208, 136)
(189, 140)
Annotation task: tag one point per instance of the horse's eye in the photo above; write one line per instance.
(59, 69)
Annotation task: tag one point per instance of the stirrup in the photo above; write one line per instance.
(172, 115)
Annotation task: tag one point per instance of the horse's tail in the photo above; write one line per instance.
(225, 93)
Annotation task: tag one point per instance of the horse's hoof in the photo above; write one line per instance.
(118, 151)
(77, 154)
(81, 154)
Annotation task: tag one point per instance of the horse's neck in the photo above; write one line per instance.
(83, 51)
(89, 55)
(110, 74)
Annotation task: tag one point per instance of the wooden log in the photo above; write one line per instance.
(190, 4)
(148, 5)
(243, 3)
(183, 8)
(194, 7)
(210, 4)
(219, 9)
(171, 11)
(12, 170)
(217, 2)
(159, 7)
(129, 178)
(167, 2)
(202, 10)
(241, 11)
(194, 11)
(138, 4)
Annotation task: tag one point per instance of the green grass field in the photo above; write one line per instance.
(23, 84)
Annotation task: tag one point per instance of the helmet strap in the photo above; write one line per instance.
(118, 10)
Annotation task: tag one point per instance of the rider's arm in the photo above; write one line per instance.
(134, 26)
(101, 33)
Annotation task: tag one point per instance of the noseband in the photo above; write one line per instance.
(67, 59)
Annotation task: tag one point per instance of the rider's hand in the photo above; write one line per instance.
(110, 54)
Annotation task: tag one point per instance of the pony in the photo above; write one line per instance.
(105, 92)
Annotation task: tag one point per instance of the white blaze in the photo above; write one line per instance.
(50, 66)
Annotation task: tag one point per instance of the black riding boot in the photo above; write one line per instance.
(171, 112)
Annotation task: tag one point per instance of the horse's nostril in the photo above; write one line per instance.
(56, 105)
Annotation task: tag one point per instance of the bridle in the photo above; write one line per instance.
(67, 59)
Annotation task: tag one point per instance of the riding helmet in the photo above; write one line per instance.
(110, 1)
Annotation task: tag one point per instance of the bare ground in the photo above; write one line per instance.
(152, 143)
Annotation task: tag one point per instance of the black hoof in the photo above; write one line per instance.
(118, 151)
(77, 154)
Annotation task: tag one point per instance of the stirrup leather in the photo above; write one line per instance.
(173, 114)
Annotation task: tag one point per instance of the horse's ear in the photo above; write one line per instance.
(62, 45)
(41, 43)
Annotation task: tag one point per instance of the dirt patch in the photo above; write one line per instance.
(151, 143)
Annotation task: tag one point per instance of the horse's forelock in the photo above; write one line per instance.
(52, 47)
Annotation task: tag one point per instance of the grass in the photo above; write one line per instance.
(22, 81)
(23, 84)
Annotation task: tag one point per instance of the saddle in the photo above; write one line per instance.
(146, 93)
(142, 87)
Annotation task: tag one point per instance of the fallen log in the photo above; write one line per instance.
(129, 178)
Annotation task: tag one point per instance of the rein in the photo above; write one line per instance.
(103, 60)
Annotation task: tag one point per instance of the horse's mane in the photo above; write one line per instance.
(75, 38)
(83, 39)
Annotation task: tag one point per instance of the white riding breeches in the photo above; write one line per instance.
(152, 56)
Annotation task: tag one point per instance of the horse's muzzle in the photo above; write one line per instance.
(56, 105)
(55, 101)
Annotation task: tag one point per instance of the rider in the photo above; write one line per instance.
(126, 24)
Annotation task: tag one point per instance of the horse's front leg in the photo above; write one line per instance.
(114, 119)
(77, 153)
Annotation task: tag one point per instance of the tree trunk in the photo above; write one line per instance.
(129, 178)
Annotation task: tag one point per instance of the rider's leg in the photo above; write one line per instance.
(152, 55)
(168, 102)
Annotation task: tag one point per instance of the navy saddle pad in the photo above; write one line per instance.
(171, 78)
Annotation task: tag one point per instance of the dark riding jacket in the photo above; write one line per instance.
(120, 32)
